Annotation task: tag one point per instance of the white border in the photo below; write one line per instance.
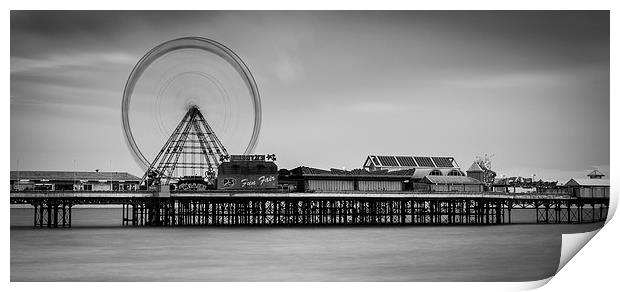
(590, 270)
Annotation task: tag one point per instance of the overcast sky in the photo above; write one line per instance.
(532, 88)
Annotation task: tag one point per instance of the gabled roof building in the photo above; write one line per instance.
(593, 187)
(311, 179)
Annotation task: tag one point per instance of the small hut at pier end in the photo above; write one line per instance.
(593, 187)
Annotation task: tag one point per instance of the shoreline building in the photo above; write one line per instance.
(73, 181)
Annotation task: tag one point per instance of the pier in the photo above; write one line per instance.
(217, 208)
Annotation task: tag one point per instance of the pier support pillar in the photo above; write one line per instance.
(52, 214)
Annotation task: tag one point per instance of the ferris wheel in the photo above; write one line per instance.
(198, 99)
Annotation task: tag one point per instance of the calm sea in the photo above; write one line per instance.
(97, 248)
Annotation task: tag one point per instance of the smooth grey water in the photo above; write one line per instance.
(97, 248)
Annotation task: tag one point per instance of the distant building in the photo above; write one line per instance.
(549, 187)
(73, 181)
(518, 184)
(499, 185)
(553, 190)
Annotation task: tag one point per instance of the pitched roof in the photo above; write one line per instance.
(411, 161)
(304, 170)
(421, 173)
(405, 172)
(310, 171)
(475, 167)
(456, 180)
(73, 175)
(585, 182)
(596, 173)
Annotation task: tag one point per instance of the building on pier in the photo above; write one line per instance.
(476, 172)
(387, 173)
(336, 180)
(452, 184)
(593, 187)
(73, 181)
(588, 188)
(421, 180)
(247, 172)
(481, 172)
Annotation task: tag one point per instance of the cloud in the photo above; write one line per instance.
(53, 62)
(61, 95)
(526, 78)
(377, 108)
(287, 69)
(330, 78)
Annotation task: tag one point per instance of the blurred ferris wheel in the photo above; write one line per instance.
(182, 76)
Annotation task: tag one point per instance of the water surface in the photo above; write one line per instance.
(97, 248)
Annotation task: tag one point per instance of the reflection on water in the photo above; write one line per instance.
(97, 248)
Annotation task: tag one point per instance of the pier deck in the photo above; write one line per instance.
(53, 209)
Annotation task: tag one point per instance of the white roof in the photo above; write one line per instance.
(587, 182)
(457, 180)
(422, 172)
